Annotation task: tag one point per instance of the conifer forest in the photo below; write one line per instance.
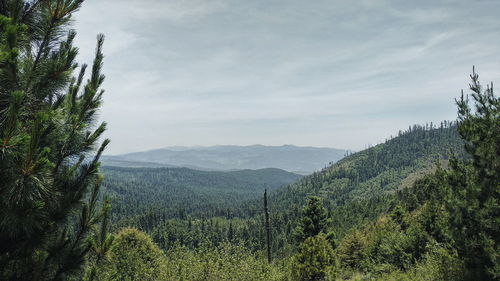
(422, 204)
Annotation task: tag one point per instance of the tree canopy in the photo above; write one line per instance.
(49, 142)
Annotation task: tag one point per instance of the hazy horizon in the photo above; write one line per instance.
(174, 147)
(324, 74)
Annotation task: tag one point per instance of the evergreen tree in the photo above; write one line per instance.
(314, 261)
(101, 248)
(475, 185)
(49, 188)
(351, 250)
(314, 219)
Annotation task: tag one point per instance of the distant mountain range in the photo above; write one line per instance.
(291, 158)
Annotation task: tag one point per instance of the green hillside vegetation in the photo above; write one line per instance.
(423, 205)
(384, 213)
(364, 185)
(134, 256)
(177, 205)
(445, 226)
(167, 193)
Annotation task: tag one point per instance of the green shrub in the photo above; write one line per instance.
(226, 262)
(438, 264)
(133, 256)
(315, 260)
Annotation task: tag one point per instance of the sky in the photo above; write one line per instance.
(342, 74)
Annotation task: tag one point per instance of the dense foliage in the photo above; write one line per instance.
(229, 262)
(362, 186)
(49, 151)
(191, 207)
(167, 193)
(132, 256)
(421, 206)
(403, 210)
(444, 226)
(314, 219)
(315, 259)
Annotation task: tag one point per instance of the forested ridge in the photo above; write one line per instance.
(423, 205)
(145, 197)
(363, 185)
(356, 189)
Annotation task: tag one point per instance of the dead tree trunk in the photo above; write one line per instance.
(268, 228)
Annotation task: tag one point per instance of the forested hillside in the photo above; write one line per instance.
(375, 215)
(148, 196)
(422, 206)
(190, 206)
(363, 185)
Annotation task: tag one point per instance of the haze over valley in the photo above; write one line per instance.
(233, 140)
(291, 158)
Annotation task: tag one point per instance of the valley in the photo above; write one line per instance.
(226, 145)
(355, 191)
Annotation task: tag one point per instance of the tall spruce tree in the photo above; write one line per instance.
(314, 219)
(49, 150)
(474, 196)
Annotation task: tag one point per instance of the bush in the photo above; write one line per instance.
(133, 256)
(225, 262)
(315, 260)
(438, 264)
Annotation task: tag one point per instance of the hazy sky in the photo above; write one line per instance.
(341, 74)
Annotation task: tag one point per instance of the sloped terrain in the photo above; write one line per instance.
(174, 191)
(361, 186)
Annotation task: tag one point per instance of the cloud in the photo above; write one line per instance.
(326, 73)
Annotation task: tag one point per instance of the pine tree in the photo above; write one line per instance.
(101, 247)
(49, 151)
(314, 219)
(475, 185)
(314, 261)
(350, 251)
